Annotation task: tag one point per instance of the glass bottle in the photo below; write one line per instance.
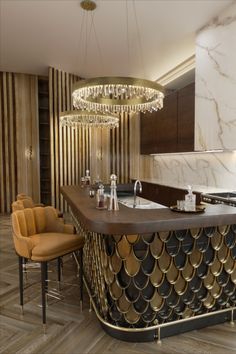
(87, 178)
(113, 195)
(100, 197)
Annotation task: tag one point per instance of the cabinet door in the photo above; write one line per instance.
(186, 99)
(148, 133)
(158, 130)
(167, 125)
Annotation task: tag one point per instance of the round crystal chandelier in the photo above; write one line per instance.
(81, 118)
(117, 95)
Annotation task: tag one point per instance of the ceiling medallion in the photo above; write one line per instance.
(88, 5)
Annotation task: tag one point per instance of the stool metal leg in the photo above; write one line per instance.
(59, 268)
(21, 283)
(81, 277)
(44, 290)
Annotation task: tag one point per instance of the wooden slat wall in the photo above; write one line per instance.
(70, 148)
(120, 150)
(27, 135)
(18, 132)
(8, 169)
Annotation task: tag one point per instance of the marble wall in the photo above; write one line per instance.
(215, 115)
(215, 104)
(205, 169)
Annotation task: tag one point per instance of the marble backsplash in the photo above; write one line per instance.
(215, 169)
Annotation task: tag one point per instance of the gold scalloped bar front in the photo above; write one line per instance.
(117, 95)
(145, 282)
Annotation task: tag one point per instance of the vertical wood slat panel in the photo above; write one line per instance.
(71, 147)
(51, 120)
(120, 150)
(6, 150)
(2, 199)
(8, 170)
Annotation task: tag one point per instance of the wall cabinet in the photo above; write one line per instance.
(172, 128)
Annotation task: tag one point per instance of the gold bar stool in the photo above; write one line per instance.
(40, 236)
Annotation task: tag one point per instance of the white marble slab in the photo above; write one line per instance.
(215, 101)
(208, 172)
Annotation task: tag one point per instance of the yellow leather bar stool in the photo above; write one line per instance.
(40, 236)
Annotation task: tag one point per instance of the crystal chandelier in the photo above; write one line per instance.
(79, 118)
(116, 94)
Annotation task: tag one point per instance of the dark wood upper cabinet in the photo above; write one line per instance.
(186, 99)
(172, 128)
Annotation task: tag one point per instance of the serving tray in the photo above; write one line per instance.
(199, 209)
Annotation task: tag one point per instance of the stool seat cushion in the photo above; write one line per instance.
(40, 235)
(47, 246)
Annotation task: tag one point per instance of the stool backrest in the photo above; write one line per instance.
(28, 222)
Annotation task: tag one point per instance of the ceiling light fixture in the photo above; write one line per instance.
(79, 118)
(116, 94)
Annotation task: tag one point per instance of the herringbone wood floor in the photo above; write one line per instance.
(70, 331)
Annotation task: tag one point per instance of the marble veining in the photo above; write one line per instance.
(215, 101)
(205, 171)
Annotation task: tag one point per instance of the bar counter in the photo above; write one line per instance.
(155, 273)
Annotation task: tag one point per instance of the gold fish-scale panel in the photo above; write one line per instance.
(132, 238)
(233, 276)
(148, 264)
(217, 241)
(132, 316)
(109, 276)
(165, 262)
(230, 264)
(223, 229)
(216, 267)
(132, 265)
(157, 247)
(123, 248)
(123, 304)
(141, 249)
(209, 281)
(173, 274)
(180, 286)
(196, 233)
(157, 276)
(188, 271)
(157, 302)
(115, 263)
(115, 291)
(160, 277)
(216, 290)
(164, 235)
(196, 258)
(223, 253)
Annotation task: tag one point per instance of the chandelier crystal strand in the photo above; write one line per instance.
(77, 118)
(117, 95)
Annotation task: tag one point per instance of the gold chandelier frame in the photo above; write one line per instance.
(79, 118)
(117, 95)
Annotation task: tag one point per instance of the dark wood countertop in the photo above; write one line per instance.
(129, 221)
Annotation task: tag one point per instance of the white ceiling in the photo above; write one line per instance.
(35, 34)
